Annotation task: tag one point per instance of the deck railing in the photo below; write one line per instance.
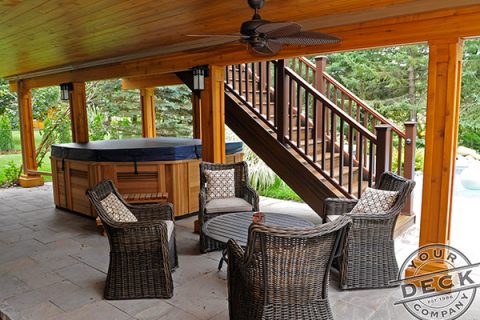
(401, 148)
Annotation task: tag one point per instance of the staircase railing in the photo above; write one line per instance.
(401, 148)
(325, 136)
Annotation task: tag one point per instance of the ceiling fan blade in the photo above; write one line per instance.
(233, 35)
(270, 48)
(278, 29)
(308, 38)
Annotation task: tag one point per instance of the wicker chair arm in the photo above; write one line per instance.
(143, 232)
(235, 253)
(339, 206)
(202, 198)
(251, 196)
(384, 215)
(152, 212)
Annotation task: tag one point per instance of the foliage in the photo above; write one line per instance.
(280, 190)
(260, 175)
(11, 172)
(174, 111)
(6, 137)
(57, 129)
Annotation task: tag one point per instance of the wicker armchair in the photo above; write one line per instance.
(141, 255)
(244, 194)
(369, 256)
(284, 272)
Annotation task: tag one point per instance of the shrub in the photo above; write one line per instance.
(11, 172)
(6, 138)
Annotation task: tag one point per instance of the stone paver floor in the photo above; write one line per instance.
(53, 266)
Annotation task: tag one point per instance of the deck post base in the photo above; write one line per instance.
(28, 181)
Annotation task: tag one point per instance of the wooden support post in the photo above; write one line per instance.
(281, 102)
(382, 160)
(78, 112)
(147, 100)
(444, 81)
(409, 162)
(213, 116)
(196, 116)
(27, 178)
(321, 67)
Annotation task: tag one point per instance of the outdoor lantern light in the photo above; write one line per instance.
(199, 74)
(65, 89)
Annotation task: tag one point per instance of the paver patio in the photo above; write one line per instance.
(53, 265)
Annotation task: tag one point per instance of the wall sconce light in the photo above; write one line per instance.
(199, 74)
(65, 89)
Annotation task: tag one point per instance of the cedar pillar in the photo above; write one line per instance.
(78, 112)
(444, 80)
(28, 178)
(196, 116)
(213, 116)
(409, 163)
(149, 129)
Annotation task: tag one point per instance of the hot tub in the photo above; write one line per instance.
(145, 165)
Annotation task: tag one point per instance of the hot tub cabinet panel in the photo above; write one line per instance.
(180, 179)
(77, 167)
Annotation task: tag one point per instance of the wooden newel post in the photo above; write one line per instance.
(281, 101)
(321, 66)
(382, 163)
(409, 162)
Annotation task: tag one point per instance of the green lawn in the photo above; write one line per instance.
(16, 139)
(280, 190)
(17, 159)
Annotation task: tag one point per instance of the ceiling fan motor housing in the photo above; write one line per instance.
(256, 4)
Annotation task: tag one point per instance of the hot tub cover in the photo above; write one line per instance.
(131, 150)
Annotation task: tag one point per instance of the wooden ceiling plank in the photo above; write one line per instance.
(91, 35)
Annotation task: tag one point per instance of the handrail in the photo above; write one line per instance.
(331, 105)
(362, 104)
(41, 173)
(352, 96)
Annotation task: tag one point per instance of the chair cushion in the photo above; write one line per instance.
(228, 205)
(170, 228)
(220, 184)
(375, 201)
(116, 209)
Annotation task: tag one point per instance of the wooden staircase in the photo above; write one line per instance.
(322, 140)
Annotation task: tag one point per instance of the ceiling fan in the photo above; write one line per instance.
(267, 38)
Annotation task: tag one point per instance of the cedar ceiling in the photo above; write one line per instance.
(40, 35)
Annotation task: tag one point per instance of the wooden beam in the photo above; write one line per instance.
(147, 99)
(422, 27)
(78, 113)
(213, 116)
(27, 178)
(196, 116)
(444, 80)
(152, 81)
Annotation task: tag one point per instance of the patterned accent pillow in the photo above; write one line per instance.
(220, 184)
(375, 201)
(117, 210)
